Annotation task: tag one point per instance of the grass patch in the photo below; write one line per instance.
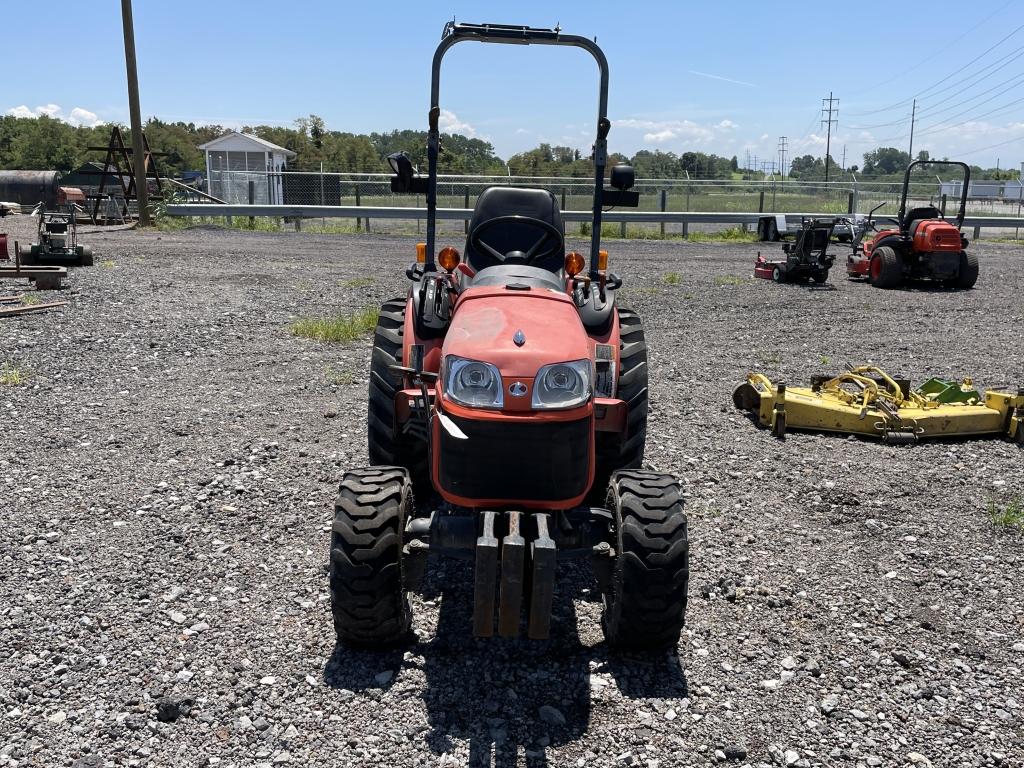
(12, 377)
(339, 378)
(31, 298)
(721, 280)
(336, 329)
(358, 282)
(108, 263)
(671, 278)
(731, 235)
(1009, 516)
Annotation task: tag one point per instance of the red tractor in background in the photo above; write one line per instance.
(924, 244)
(507, 419)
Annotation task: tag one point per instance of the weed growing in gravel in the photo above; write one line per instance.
(1010, 516)
(731, 235)
(825, 359)
(11, 376)
(31, 298)
(108, 263)
(721, 280)
(769, 357)
(359, 282)
(341, 328)
(339, 378)
(671, 278)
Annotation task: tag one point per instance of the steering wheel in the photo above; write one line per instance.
(552, 239)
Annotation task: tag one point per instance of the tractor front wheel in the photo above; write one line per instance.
(820, 277)
(777, 275)
(85, 257)
(968, 274)
(386, 445)
(615, 450)
(886, 269)
(645, 604)
(368, 597)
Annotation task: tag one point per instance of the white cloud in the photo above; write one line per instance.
(727, 124)
(81, 116)
(661, 136)
(78, 116)
(449, 122)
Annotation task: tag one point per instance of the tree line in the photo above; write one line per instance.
(45, 143)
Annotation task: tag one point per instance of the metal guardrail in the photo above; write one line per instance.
(462, 214)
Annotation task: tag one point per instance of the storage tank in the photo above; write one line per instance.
(29, 187)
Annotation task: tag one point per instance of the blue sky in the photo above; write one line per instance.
(728, 78)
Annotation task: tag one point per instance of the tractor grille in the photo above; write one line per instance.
(534, 461)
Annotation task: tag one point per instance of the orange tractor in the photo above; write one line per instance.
(923, 245)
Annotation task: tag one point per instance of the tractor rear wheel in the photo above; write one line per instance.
(385, 446)
(625, 451)
(820, 277)
(968, 274)
(886, 269)
(645, 605)
(368, 597)
(85, 257)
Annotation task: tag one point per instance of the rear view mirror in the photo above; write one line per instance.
(623, 177)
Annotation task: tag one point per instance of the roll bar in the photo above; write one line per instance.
(963, 192)
(513, 35)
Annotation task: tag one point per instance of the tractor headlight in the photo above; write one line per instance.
(562, 385)
(472, 383)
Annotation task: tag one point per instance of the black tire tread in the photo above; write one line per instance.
(969, 268)
(368, 601)
(384, 446)
(615, 451)
(646, 608)
(892, 271)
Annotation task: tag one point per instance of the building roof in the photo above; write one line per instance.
(256, 140)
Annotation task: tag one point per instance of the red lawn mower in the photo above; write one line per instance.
(507, 419)
(924, 243)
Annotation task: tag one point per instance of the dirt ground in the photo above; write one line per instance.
(169, 459)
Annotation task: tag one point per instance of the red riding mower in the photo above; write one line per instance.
(924, 244)
(507, 418)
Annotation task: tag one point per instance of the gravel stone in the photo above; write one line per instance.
(183, 409)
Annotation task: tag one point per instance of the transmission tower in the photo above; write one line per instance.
(783, 148)
(829, 108)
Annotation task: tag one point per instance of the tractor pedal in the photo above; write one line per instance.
(542, 581)
(484, 577)
(510, 594)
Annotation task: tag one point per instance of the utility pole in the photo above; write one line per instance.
(135, 113)
(747, 163)
(782, 157)
(844, 157)
(827, 123)
(913, 115)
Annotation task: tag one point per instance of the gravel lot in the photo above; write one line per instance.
(166, 481)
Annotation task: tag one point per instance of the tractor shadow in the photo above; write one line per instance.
(490, 692)
(498, 693)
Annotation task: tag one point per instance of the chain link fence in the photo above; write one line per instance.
(775, 195)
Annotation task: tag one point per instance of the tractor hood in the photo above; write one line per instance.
(516, 330)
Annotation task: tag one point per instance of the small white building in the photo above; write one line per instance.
(235, 159)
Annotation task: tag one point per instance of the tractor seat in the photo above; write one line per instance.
(916, 215)
(521, 274)
(512, 236)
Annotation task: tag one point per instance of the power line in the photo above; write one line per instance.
(993, 146)
(942, 81)
(828, 123)
(936, 127)
(1014, 81)
(941, 50)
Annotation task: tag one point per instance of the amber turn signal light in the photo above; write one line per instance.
(448, 258)
(573, 263)
(602, 261)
